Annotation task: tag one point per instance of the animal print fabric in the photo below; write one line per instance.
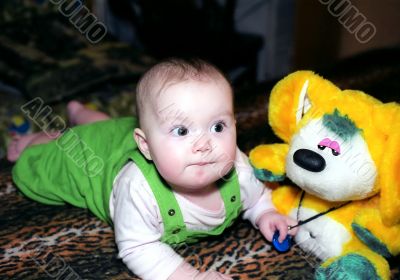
(63, 242)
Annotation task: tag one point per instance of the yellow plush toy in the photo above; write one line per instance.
(342, 151)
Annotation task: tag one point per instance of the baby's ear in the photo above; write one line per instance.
(140, 138)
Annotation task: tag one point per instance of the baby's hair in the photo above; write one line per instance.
(172, 71)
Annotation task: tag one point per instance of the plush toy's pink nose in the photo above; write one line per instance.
(309, 160)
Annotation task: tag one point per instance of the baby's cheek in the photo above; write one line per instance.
(168, 172)
(229, 150)
(226, 168)
(167, 162)
(226, 159)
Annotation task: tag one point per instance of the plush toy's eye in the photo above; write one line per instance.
(321, 147)
(335, 153)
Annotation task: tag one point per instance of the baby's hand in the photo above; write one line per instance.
(212, 275)
(185, 271)
(271, 221)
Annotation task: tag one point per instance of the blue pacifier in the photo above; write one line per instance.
(285, 245)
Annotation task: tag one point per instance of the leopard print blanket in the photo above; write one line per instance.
(48, 242)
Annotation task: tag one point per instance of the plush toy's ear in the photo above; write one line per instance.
(289, 101)
(389, 176)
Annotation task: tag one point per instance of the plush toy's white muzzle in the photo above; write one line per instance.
(323, 171)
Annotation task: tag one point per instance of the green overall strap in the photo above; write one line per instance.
(174, 227)
(230, 192)
(175, 231)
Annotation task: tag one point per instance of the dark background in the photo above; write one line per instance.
(262, 39)
(255, 42)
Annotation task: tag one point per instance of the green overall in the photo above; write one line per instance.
(79, 168)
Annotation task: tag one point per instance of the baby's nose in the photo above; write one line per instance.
(202, 144)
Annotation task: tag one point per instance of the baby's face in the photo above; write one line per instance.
(191, 134)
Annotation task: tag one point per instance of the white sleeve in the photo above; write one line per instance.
(255, 196)
(137, 228)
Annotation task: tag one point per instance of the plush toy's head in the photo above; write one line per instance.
(343, 144)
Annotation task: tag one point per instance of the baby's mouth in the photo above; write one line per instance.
(201, 163)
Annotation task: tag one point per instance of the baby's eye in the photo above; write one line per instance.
(218, 127)
(180, 131)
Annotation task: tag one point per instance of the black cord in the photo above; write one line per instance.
(302, 222)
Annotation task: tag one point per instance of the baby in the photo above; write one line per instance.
(179, 178)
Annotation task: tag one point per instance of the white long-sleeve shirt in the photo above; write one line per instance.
(138, 224)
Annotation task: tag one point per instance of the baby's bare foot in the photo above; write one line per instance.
(19, 143)
(78, 114)
(73, 109)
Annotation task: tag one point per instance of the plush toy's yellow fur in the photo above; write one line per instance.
(380, 128)
(286, 198)
(271, 153)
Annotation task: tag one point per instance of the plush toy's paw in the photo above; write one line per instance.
(285, 198)
(268, 162)
(268, 176)
(382, 239)
(349, 267)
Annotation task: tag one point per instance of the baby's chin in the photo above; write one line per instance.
(193, 183)
(199, 183)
